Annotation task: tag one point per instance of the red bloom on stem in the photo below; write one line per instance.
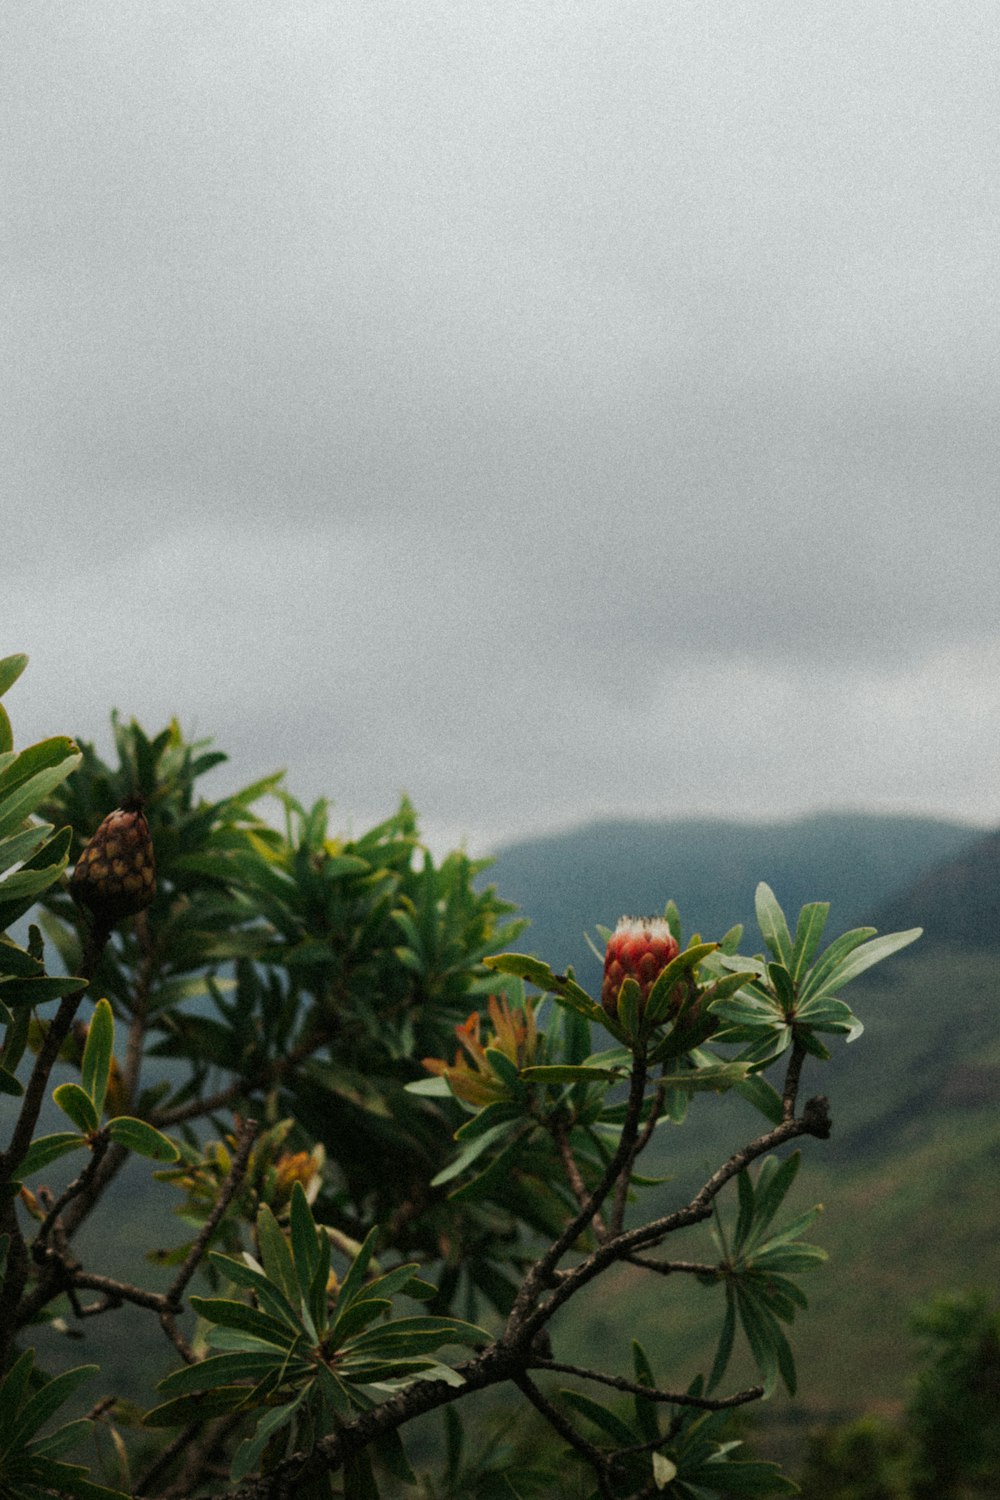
(639, 948)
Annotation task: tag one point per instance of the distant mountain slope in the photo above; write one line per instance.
(956, 901)
(566, 883)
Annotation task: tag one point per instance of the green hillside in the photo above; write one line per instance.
(568, 882)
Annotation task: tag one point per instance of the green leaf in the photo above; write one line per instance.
(727, 1336)
(9, 1084)
(353, 1283)
(488, 1116)
(774, 1180)
(658, 1005)
(645, 1409)
(863, 957)
(664, 1470)
(629, 1001)
(6, 732)
(78, 1105)
(197, 1407)
(33, 992)
(305, 1241)
(503, 1068)
(218, 1369)
(22, 845)
(317, 1301)
(11, 668)
(472, 1150)
(250, 1450)
(563, 1073)
(522, 966)
(356, 1318)
(406, 1337)
(276, 1255)
(45, 1402)
(808, 931)
(18, 962)
(781, 982)
(271, 1297)
(46, 1149)
(24, 796)
(773, 926)
(606, 1421)
(136, 1135)
(237, 1315)
(831, 957)
(762, 1095)
(95, 1068)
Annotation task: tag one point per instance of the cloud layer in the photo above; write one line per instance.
(550, 410)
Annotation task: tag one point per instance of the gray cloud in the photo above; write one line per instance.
(441, 396)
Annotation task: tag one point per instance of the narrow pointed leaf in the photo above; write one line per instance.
(772, 923)
(808, 931)
(96, 1065)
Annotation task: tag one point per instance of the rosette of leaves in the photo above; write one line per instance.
(756, 1269)
(31, 1462)
(792, 998)
(307, 1354)
(677, 1451)
(84, 1103)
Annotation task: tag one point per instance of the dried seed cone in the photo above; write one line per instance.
(115, 875)
(639, 948)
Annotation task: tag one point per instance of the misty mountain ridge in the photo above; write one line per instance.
(861, 863)
(956, 901)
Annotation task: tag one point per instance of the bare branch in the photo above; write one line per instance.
(246, 1135)
(559, 1133)
(595, 1456)
(669, 1267)
(621, 1188)
(790, 1092)
(674, 1398)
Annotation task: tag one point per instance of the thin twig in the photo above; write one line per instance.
(790, 1093)
(539, 1277)
(55, 1034)
(594, 1456)
(246, 1135)
(815, 1121)
(634, 1388)
(99, 1146)
(669, 1267)
(642, 1141)
(559, 1133)
(17, 1266)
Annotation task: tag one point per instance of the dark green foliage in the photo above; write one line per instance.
(953, 1413)
(864, 1460)
(335, 1156)
(947, 1447)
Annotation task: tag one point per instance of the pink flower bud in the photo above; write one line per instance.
(639, 948)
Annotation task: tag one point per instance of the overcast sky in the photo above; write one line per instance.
(551, 409)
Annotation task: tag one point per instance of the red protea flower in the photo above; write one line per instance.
(115, 875)
(639, 948)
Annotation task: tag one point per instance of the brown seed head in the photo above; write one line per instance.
(115, 875)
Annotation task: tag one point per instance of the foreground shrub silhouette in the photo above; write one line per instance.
(382, 1226)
